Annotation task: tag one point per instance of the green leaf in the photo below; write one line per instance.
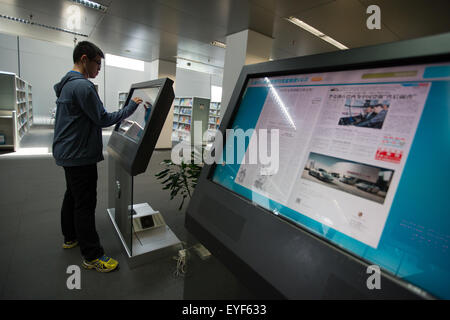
(162, 172)
(167, 180)
(162, 177)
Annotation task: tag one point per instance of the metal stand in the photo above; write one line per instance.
(142, 231)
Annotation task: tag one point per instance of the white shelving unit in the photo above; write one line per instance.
(122, 98)
(214, 116)
(186, 111)
(16, 116)
(8, 129)
(30, 104)
(214, 119)
(21, 107)
(182, 119)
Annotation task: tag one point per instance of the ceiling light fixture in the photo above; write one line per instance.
(218, 44)
(91, 4)
(316, 32)
(25, 21)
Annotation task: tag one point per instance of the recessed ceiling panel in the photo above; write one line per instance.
(163, 29)
(294, 41)
(414, 18)
(286, 8)
(20, 29)
(245, 15)
(131, 29)
(212, 12)
(54, 13)
(139, 41)
(165, 18)
(346, 22)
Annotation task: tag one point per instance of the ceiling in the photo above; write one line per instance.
(165, 29)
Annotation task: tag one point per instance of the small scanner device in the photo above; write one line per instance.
(145, 218)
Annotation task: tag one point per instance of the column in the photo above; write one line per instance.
(164, 69)
(244, 47)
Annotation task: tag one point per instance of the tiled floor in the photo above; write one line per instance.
(33, 265)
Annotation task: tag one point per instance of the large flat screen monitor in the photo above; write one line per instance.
(349, 178)
(134, 138)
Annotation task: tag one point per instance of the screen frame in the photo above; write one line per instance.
(233, 227)
(135, 156)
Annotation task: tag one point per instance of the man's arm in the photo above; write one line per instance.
(92, 106)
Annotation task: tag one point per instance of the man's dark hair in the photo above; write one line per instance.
(87, 48)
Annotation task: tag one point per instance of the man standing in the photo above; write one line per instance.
(77, 147)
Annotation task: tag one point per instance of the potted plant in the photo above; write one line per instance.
(179, 179)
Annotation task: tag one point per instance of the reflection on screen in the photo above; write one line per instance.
(344, 138)
(133, 127)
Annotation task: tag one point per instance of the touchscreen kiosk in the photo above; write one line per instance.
(348, 197)
(141, 229)
(134, 138)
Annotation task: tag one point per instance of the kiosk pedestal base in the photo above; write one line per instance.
(148, 244)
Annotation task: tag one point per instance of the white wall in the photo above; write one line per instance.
(234, 60)
(216, 80)
(243, 48)
(8, 54)
(165, 69)
(192, 84)
(119, 79)
(43, 64)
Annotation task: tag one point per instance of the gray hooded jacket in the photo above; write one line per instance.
(80, 115)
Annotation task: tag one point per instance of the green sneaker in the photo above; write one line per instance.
(69, 244)
(103, 264)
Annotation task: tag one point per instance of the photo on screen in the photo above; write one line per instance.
(133, 127)
(359, 179)
(364, 113)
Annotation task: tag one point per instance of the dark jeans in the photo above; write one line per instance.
(78, 210)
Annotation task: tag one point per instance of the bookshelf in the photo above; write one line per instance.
(214, 116)
(213, 120)
(16, 110)
(188, 110)
(30, 105)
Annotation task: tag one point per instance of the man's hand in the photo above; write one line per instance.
(137, 100)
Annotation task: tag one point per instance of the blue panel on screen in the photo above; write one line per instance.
(437, 72)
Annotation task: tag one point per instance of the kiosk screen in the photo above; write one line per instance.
(134, 126)
(345, 156)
